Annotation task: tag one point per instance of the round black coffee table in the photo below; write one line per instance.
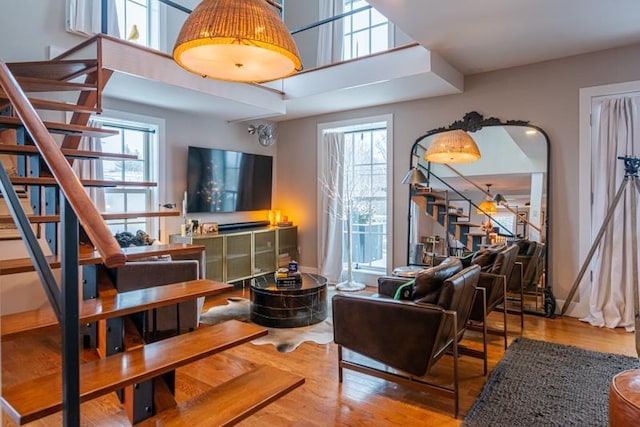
(281, 307)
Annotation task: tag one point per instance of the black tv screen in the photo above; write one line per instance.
(227, 181)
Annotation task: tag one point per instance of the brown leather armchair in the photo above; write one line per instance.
(425, 287)
(407, 336)
(493, 279)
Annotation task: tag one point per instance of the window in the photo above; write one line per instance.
(365, 32)
(365, 179)
(138, 21)
(141, 140)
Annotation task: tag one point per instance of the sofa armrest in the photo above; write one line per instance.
(388, 285)
(400, 334)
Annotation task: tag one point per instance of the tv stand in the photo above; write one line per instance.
(245, 253)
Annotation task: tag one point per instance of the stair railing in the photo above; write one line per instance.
(431, 174)
(70, 185)
(75, 207)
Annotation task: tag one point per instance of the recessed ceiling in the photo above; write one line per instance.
(477, 36)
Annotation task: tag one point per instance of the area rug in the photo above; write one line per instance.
(544, 384)
(284, 339)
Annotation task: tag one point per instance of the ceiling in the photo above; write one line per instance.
(477, 36)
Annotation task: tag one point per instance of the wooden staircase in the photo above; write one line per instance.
(141, 371)
(434, 205)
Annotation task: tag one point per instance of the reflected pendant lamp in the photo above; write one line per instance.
(487, 207)
(455, 146)
(236, 40)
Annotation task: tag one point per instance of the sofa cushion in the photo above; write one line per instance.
(429, 282)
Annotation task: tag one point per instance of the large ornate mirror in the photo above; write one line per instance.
(457, 209)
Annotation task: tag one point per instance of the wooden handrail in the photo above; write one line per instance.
(82, 205)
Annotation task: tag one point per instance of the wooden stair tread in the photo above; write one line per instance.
(230, 402)
(468, 224)
(45, 181)
(42, 219)
(24, 265)
(42, 396)
(45, 104)
(477, 234)
(76, 154)
(54, 69)
(37, 84)
(64, 128)
(116, 305)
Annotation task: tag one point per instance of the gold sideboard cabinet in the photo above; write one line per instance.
(232, 256)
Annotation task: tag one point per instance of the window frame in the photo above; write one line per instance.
(388, 118)
(348, 36)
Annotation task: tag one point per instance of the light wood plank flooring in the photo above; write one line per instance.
(322, 401)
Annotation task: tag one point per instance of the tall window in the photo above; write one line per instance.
(361, 151)
(138, 139)
(365, 32)
(138, 21)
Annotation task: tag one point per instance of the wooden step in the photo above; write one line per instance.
(62, 70)
(468, 224)
(24, 265)
(51, 182)
(74, 154)
(230, 402)
(43, 219)
(63, 128)
(42, 396)
(36, 84)
(45, 104)
(116, 305)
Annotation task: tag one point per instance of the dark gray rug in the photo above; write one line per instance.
(544, 384)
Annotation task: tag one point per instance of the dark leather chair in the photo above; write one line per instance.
(407, 336)
(493, 279)
(425, 287)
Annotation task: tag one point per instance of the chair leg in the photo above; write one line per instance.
(504, 312)
(456, 390)
(340, 363)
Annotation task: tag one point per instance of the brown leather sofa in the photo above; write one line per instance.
(407, 336)
(426, 285)
(140, 275)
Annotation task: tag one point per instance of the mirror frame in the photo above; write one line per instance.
(473, 122)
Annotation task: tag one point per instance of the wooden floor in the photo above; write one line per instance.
(322, 400)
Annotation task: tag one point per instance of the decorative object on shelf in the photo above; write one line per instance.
(283, 221)
(274, 217)
(454, 146)
(267, 134)
(241, 41)
(209, 228)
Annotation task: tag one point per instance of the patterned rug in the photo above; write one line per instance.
(284, 339)
(544, 384)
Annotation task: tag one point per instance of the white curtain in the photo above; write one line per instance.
(92, 169)
(331, 206)
(614, 296)
(329, 35)
(84, 16)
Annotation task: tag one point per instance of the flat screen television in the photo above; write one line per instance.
(227, 181)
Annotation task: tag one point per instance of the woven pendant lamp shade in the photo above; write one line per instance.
(236, 40)
(455, 146)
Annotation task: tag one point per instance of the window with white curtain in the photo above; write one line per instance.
(365, 32)
(365, 174)
(139, 21)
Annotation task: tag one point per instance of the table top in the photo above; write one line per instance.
(309, 281)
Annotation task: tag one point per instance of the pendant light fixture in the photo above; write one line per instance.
(488, 206)
(237, 40)
(454, 146)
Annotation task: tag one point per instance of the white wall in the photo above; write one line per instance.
(545, 93)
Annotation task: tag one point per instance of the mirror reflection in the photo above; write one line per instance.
(500, 199)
